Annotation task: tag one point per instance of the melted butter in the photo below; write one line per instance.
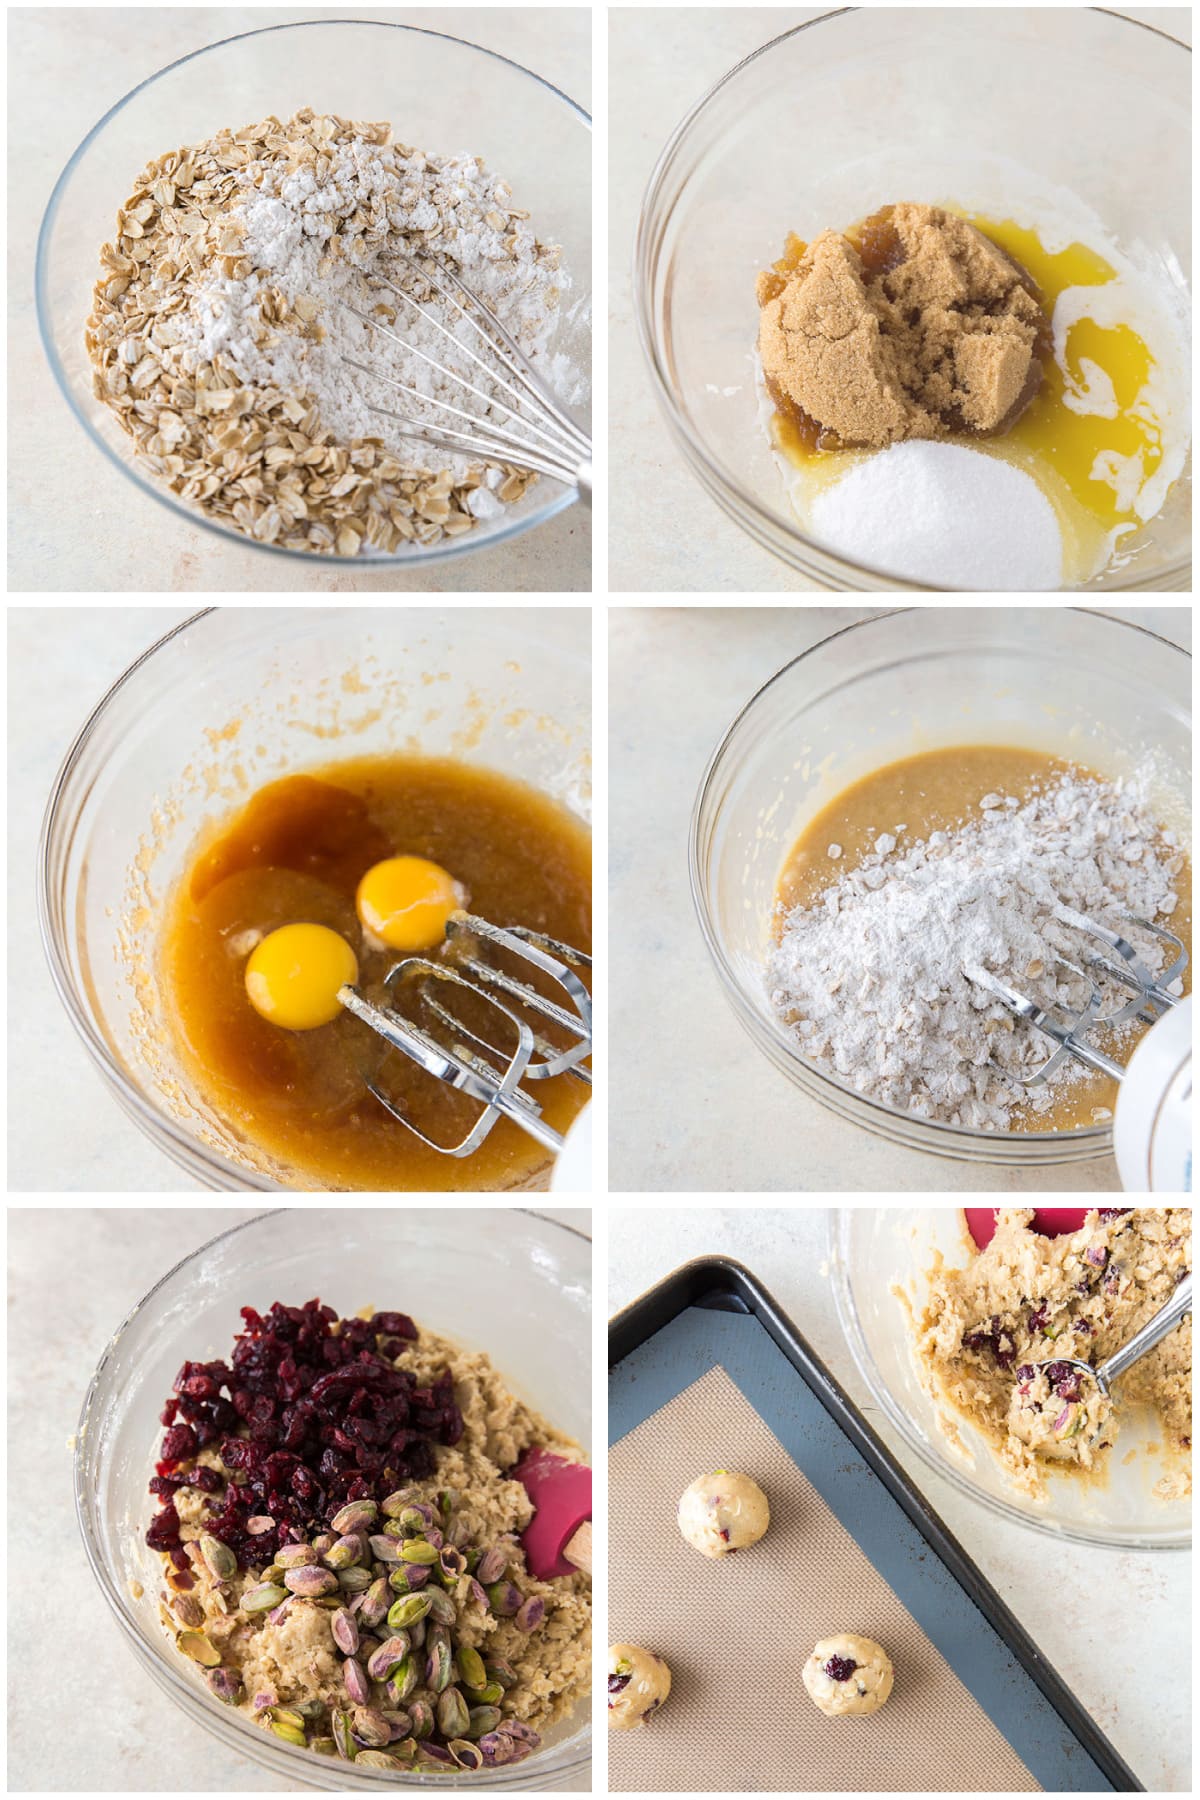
(1107, 369)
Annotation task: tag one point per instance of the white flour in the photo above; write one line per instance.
(316, 237)
(870, 977)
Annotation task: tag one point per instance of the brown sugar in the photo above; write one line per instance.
(910, 325)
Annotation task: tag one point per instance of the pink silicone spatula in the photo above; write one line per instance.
(1051, 1221)
(558, 1539)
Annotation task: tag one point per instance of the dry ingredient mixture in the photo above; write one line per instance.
(1027, 1298)
(220, 321)
(869, 964)
(919, 327)
(339, 1531)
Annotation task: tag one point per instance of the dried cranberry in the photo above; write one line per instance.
(308, 1417)
(1114, 1212)
(178, 1443)
(840, 1668)
(617, 1683)
(990, 1337)
(1039, 1318)
(394, 1324)
(1065, 1379)
(164, 1529)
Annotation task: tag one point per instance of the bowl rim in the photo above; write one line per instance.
(767, 527)
(408, 558)
(171, 1674)
(207, 1165)
(1045, 1525)
(1087, 1140)
(202, 1161)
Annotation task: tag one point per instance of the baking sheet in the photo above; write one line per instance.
(713, 1389)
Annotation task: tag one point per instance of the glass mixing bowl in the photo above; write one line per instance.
(438, 92)
(871, 1249)
(230, 700)
(1074, 683)
(980, 106)
(499, 1280)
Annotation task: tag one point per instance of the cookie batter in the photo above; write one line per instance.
(298, 852)
(848, 1677)
(638, 1683)
(723, 1512)
(1026, 1297)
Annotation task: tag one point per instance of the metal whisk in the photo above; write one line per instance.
(423, 1024)
(1067, 1026)
(521, 423)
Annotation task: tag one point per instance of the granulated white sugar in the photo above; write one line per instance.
(871, 976)
(945, 515)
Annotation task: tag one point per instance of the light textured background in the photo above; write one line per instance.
(108, 536)
(1116, 1626)
(695, 1106)
(73, 1276)
(666, 535)
(61, 662)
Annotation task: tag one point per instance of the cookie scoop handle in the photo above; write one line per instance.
(558, 1539)
(1178, 1307)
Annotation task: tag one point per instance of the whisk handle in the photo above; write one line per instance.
(583, 481)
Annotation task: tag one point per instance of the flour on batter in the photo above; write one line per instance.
(1027, 1299)
(962, 859)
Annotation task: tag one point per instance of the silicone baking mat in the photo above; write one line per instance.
(850, 1548)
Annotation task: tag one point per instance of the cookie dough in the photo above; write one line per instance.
(1026, 1298)
(1059, 1411)
(289, 1657)
(723, 1512)
(848, 1677)
(638, 1683)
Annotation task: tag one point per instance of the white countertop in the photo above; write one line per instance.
(1115, 1625)
(667, 535)
(676, 680)
(73, 1276)
(119, 540)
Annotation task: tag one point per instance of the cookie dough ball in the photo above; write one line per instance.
(638, 1683)
(723, 1512)
(848, 1676)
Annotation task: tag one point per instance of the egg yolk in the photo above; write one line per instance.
(294, 974)
(406, 901)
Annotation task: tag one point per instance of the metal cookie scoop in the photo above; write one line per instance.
(1082, 1394)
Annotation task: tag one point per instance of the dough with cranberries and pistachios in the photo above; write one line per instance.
(1026, 1300)
(722, 1512)
(638, 1683)
(848, 1677)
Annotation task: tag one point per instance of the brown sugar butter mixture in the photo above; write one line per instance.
(296, 853)
(913, 324)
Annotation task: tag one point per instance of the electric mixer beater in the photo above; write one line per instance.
(1152, 1118)
(486, 1010)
